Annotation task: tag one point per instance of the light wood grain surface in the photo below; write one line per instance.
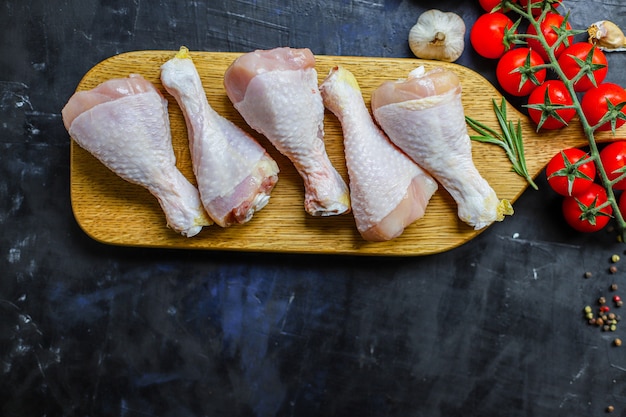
(113, 211)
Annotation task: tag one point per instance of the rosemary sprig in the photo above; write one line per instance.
(510, 139)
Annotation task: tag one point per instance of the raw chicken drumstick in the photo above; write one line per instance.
(388, 190)
(235, 174)
(277, 94)
(424, 116)
(124, 123)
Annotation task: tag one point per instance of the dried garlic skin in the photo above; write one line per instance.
(438, 35)
(607, 36)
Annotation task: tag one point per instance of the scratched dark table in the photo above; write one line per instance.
(492, 328)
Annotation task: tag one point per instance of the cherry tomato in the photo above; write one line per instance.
(489, 5)
(571, 67)
(613, 158)
(550, 93)
(581, 211)
(537, 5)
(567, 179)
(517, 78)
(487, 35)
(547, 26)
(594, 104)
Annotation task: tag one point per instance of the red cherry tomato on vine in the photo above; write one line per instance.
(565, 178)
(613, 158)
(594, 104)
(571, 67)
(547, 117)
(581, 211)
(514, 76)
(538, 4)
(489, 5)
(487, 34)
(547, 26)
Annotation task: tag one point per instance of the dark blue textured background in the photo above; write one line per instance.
(492, 328)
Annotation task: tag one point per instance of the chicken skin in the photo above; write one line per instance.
(235, 174)
(423, 115)
(124, 123)
(388, 190)
(276, 92)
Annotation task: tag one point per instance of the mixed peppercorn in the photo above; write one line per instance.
(602, 316)
(604, 313)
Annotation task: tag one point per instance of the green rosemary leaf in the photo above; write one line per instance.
(482, 129)
(487, 139)
(520, 145)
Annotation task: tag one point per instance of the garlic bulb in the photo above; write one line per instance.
(438, 35)
(607, 36)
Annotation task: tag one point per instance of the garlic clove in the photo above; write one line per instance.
(438, 35)
(607, 36)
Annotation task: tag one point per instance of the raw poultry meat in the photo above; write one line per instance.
(277, 94)
(235, 174)
(424, 116)
(388, 190)
(124, 123)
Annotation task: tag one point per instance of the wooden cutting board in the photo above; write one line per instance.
(113, 211)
